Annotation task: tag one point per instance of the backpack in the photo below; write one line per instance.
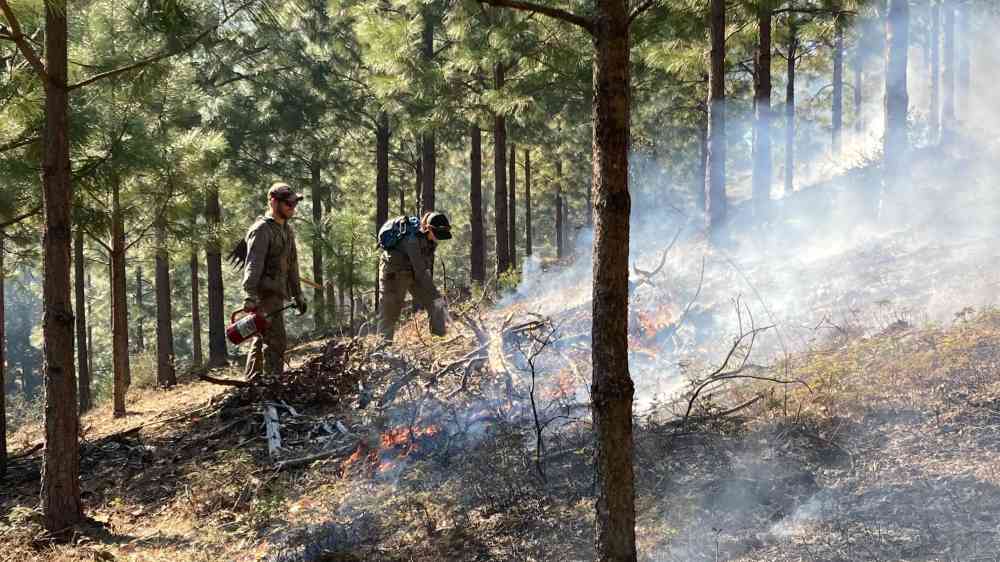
(395, 230)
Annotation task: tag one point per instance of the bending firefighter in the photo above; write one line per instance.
(272, 276)
(408, 246)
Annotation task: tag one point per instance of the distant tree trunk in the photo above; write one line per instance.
(90, 325)
(962, 40)
(60, 489)
(166, 375)
(428, 151)
(935, 70)
(948, 94)
(527, 202)
(3, 364)
(419, 173)
(402, 201)
(500, 180)
(761, 193)
(612, 388)
(140, 343)
(790, 107)
(197, 357)
(316, 180)
(331, 303)
(82, 356)
(838, 86)
(216, 296)
(895, 143)
(512, 205)
(477, 265)
(715, 179)
(859, 75)
(119, 305)
(560, 242)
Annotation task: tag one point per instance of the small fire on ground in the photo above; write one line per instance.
(394, 445)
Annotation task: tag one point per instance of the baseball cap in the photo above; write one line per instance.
(283, 192)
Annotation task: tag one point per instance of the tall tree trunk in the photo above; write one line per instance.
(715, 179)
(560, 242)
(838, 86)
(60, 490)
(793, 40)
(527, 202)
(119, 304)
(428, 151)
(382, 170)
(477, 265)
(500, 180)
(934, 121)
(962, 41)
(3, 363)
(895, 143)
(402, 201)
(319, 306)
(217, 353)
(166, 375)
(140, 343)
(197, 357)
(512, 205)
(762, 114)
(612, 389)
(948, 77)
(82, 350)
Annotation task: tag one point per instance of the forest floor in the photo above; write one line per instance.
(893, 454)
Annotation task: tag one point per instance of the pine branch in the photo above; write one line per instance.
(18, 37)
(556, 13)
(157, 58)
(647, 4)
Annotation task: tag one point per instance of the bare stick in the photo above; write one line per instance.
(272, 429)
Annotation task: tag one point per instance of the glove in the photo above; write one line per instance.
(300, 304)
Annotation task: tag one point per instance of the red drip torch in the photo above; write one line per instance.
(239, 331)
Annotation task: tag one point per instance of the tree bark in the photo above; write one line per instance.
(560, 242)
(166, 375)
(790, 107)
(612, 389)
(197, 356)
(715, 180)
(761, 188)
(527, 202)
(948, 75)
(895, 143)
(500, 180)
(419, 177)
(60, 490)
(382, 170)
(477, 258)
(82, 350)
(836, 141)
(318, 305)
(934, 120)
(512, 205)
(119, 304)
(217, 353)
(428, 150)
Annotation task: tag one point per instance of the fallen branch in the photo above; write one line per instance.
(26, 453)
(225, 382)
(307, 460)
(272, 428)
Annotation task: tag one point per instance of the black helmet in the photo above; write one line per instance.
(439, 223)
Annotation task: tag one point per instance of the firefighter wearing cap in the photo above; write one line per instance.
(271, 277)
(406, 268)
